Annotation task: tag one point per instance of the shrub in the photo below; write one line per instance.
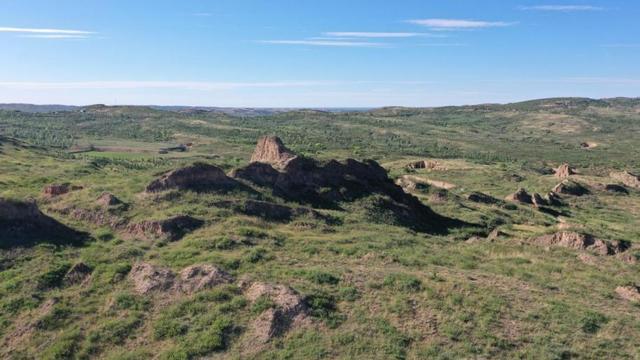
(323, 278)
(53, 277)
(592, 322)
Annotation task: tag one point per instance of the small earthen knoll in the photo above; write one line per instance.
(23, 224)
(521, 196)
(171, 229)
(153, 279)
(573, 240)
(197, 177)
(627, 178)
(289, 311)
(629, 293)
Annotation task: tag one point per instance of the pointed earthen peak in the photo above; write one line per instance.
(271, 150)
(564, 171)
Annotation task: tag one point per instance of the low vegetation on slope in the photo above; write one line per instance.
(423, 252)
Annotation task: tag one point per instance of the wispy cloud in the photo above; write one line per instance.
(55, 36)
(44, 31)
(563, 8)
(203, 14)
(458, 24)
(328, 43)
(377, 35)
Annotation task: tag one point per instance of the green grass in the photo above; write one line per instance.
(374, 288)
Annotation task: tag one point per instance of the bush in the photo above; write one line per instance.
(53, 277)
(323, 306)
(592, 322)
(126, 301)
(323, 278)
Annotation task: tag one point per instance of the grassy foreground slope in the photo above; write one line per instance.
(375, 289)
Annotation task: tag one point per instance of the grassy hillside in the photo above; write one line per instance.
(373, 287)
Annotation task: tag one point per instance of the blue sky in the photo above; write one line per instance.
(304, 53)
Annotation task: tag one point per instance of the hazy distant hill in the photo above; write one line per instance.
(37, 108)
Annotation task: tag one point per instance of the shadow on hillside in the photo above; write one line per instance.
(45, 230)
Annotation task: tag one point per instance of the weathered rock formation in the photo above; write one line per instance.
(554, 199)
(564, 171)
(270, 150)
(170, 229)
(568, 187)
(521, 196)
(197, 177)
(629, 293)
(289, 311)
(627, 178)
(538, 200)
(328, 184)
(573, 240)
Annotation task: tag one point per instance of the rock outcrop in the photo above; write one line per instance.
(521, 196)
(573, 240)
(197, 177)
(629, 293)
(538, 200)
(170, 229)
(564, 171)
(554, 199)
(270, 150)
(568, 187)
(289, 311)
(627, 178)
(326, 185)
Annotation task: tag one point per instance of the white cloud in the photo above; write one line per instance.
(379, 35)
(565, 8)
(330, 43)
(458, 24)
(44, 31)
(55, 36)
